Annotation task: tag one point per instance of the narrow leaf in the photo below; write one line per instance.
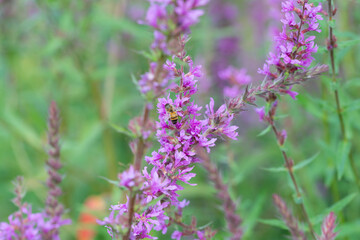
(340, 205)
(305, 162)
(116, 183)
(337, 207)
(122, 130)
(265, 131)
(252, 216)
(342, 156)
(298, 166)
(274, 223)
(276, 169)
(354, 105)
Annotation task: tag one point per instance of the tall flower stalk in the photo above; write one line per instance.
(168, 27)
(173, 161)
(232, 218)
(331, 45)
(24, 224)
(53, 208)
(155, 194)
(293, 53)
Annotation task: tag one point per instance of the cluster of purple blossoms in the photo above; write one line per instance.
(236, 80)
(169, 19)
(153, 200)
(293, 49)
(45, 225)
(156, 192)
(23, 224)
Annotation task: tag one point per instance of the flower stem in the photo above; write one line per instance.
(336, 95)
(229, 206)
(139, 154)
(289, 165)
(140, 150)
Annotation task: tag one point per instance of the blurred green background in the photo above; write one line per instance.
(82, 54)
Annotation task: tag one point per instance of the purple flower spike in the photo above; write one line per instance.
(293, 50)
(54, 209)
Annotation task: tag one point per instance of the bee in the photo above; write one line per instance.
(173, 116)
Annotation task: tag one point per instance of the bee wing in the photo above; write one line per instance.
(167, 116)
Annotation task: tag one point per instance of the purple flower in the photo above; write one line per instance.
(292, 94)
(218, 123)
(179, 133)
(287, 6)
(173, 162)
(162, 16)
(176, 235)
(130, 178)
(261, 112)
(155, 14)
(282, 137)
(293, 51)
(23, 224)
(201, 235)
(236, 79)
(187, 13)
(155, 80)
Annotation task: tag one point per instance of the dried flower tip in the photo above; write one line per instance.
(288, 218)
(334, 11)
(328, 227)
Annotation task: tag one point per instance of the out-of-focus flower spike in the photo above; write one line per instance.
(328, 227)
(288, 218)
(54, 209)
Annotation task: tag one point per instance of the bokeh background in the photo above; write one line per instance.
(84, 55)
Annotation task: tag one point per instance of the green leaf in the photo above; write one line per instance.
(305, 162)
(276, 169)
(296, 167)
(340, 205)
(23, 130)
(354, 105)
(353, 82)
(206, 225)
(154, 201)
(281, 116)
(251, 217)
(315, 106)
(337, 207)
(274, 223)
(342, 157)
(349, 229)
(349, 43)
(123, 130)
(116, 183)
(265, 131)
(151, 56)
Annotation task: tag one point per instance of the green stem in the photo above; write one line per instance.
(337, 99)
(289, 165)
